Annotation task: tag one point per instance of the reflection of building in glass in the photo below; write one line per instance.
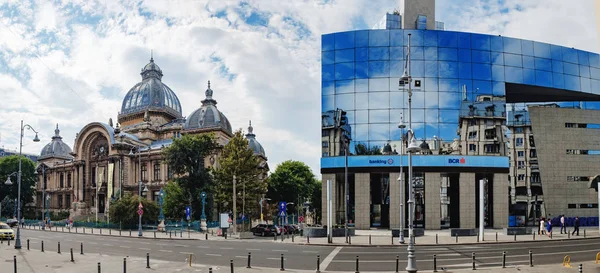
(481, 126)
(7, 152)
(459, 110)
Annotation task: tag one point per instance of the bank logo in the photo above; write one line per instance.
(381, 161)
(462, 160)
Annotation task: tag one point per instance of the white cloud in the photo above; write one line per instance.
(91, 53)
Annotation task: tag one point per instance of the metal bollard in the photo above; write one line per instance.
(369, 239)
(42, 246)
(83, 230)
(436, 238)
(584, 233)
(15, 261)
(496, 236)
(456, 237)
(63, 229)
(478, 238)
(124, 265)
(27, 244)
(210, 270)
(155, 235)
(92, 230)
(550, 235)
(99, 268)
(282, 237)
(350, 240)
(81, 252)
(75, 229)
(473, 260)
(530, 258)
(147, 260)
(249, 259)
(206, 236)
(292, 237)
(58, 247)
(72, 260)
(534, 235)
(119, 232)
(282, 266)
(171, 235)
(434, 263)
(392, 239)
(397, 263)
(503, 259)
(130, 233)
(100, 230)
(515, 237)
(356, 271)
(318, 263)
(568, 235)
(275, 237)
(308, 239)
(109, 231)
(9, 242)
(580, 268)
(231, 265)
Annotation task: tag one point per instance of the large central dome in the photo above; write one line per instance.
(151, 94)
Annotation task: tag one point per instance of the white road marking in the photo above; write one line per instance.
(108, 245)
(209, 254)
(145, 243)
(226, 247)
(144, 248)
(202, 247)
(279, 250)
(276, 259)
(253, 249)
(162, 250)
(187, 253)
(92, 243)
(242, 257)
(310, 251)
(325, 263)
(124, 246)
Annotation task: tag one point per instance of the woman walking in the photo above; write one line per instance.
(549, 228)
(542, 226)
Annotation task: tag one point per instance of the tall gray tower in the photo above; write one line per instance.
(418, 14)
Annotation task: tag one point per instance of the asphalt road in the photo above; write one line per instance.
(268, 254)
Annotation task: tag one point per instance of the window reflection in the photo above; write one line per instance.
(380, 132)
(344, 87)
(379, 100)
(379, 38)
(379, 69)
(344, 71)
(541, 50)
(346, 55)
(448, 69)
(344, 40)
(480, 42)
(528, 76)
(362, 38)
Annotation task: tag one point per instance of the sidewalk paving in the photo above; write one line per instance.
(362, 237)
(48, 262)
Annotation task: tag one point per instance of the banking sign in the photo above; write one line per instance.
(418, 161)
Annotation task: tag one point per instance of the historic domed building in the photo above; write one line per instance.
(108, 159)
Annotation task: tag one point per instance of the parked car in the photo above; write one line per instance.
(265, 230)
(6, 232)
(290, 229)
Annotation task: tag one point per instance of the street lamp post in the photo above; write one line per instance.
(8, 182)
(139, 188)
(234, 197)
(346, 192)
(401, 180)
(43, 195)
(413, 147)
(47, 208)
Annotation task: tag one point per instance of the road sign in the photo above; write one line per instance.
(188, 211)
(282, 206)
(140, 206)
(140, 212)
(282, 214)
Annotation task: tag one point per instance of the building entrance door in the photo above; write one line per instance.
(380, 200)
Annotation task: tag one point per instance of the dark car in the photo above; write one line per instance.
(265, 230)
(290, 229)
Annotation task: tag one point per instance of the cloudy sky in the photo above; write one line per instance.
(72, 62)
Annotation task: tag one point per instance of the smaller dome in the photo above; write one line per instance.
(208, 116)
(253, 143)
(56, 148)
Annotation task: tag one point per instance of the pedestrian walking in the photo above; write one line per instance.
(562, 224)
(549, 228)
(576, 226)
(542, 226)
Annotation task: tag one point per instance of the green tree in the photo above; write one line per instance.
(186, 158)
(239, 160)
(362, 149)
(315, 197)
(174, 201)
(10, 164)
(293, 181)
(124, 210)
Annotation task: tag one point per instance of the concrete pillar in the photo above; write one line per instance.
(432, 200)
(500, 188)
(467, 200)
(395, 201)
(362, 200)
(329, 176)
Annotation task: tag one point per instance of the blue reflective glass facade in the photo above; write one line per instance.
(361, 71)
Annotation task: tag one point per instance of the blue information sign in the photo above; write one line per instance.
(188, 211)
(282, 206)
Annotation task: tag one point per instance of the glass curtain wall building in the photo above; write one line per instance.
(496, 77)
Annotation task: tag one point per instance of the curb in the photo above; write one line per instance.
(443, 245)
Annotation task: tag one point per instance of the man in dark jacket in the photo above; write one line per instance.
(576, 226)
